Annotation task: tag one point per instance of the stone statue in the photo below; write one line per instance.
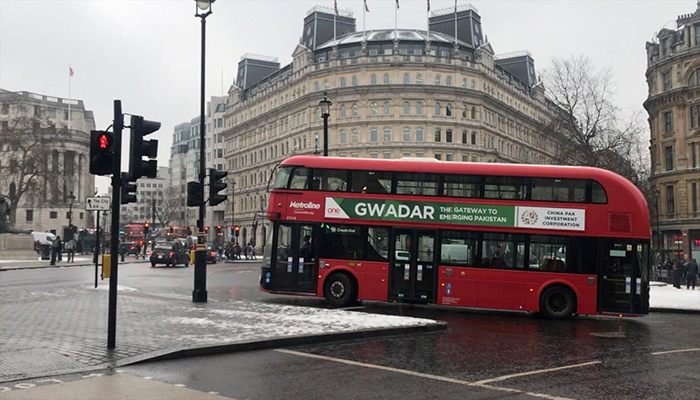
(4, 214)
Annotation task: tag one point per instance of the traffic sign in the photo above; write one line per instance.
(98, 204)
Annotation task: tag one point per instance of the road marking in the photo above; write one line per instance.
(674, 351)
(213, 392)
(92, 375)
(49, 380)
(180, 385)
(539, 371)
(419, 374)
(25, 385)
(4, 389)
(147, 377)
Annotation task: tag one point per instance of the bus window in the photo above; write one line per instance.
(497, 187)
(598, 196)
(341, 242)
(371, 182)
(332, 180)
(563, 190)
(378, 244)
(299, 178)
(282, 179)
(459, 248)
(549, 253)
(502, 251)
(417, 184)
(461, 186)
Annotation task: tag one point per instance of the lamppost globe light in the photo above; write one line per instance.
(204, 5)
(326, 112)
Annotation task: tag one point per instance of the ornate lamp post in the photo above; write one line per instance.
(325, 113)
(71, 199)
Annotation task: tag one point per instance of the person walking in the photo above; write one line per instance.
(70, 250)
(691, 274)
(677, 273)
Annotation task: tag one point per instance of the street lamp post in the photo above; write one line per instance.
(233, 207)
(325, 113)
(71, 199)
(199, 294)
(657, 194)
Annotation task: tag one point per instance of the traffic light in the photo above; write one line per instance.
(140, 148)
(171, 230)
(238, 230)
(216, 185)
(145, 228)
(206, 230)
(128, 189)
(232, 232)
(101, 153)
(218, 230)
(194, 194)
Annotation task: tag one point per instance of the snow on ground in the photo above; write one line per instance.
(105, 286)
(669, 297)
(259, 321)
(62, 263)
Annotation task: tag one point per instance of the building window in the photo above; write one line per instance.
(697, 34)
(386, 155)
(374, 135)
(694, 116)
(695, 198)
(668, 125)
(373, 109)
(419, 108)
(29, 217)
(448, 81)
(373, 80)
(419, 78)
(438, 135)
(438, 156)
(473, 112)
(670, 203)
(464, 83)
(343, 137)
(373, 155)
(387, 108)
(437, 79)
(406, 79)
(406, 107)
(419, 134)
(664, 47)
(354, 110)
(448, 136)
(325, 84)
(386, 136)
(343, 111)
(694, 78)
(695, 156)
(448, 110)
(354, 81)
(437, 108)
(81, 215)
(53, 214)
(465, 137)
(317, 87)
(386, 79)
(355, 137)
(669, 158)
(406, 134)
(342, 82)
(474, 159)
(667, 81)
(449, 157)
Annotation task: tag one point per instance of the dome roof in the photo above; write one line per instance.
(383, 35)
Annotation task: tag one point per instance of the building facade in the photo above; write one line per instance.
(673, 105)
(151, 198)
(395, 93)
(48, 138)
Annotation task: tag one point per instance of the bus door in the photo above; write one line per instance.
(624, 277)
(296, 258)
(413, 267)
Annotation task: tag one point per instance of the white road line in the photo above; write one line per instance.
(674, 351)
(540, 371)
(180, 385)
(420, 374)
(213, 392)
(49, 380)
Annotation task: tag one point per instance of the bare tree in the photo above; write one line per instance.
(27, 143)
(587, 123)
(171, 207)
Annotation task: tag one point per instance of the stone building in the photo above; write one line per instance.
(59, 131)
(395, 93)
(673, 105)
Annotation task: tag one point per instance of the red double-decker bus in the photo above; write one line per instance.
(551, 239)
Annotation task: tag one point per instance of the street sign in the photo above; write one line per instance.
(98, 204)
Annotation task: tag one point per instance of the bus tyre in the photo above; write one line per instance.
(557, 302)
(339, 290)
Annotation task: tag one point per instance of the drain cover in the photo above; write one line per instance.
(31, 361)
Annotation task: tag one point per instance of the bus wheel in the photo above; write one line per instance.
(557, 302)
(339, 289)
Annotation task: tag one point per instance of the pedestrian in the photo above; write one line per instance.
(677, 273)
(59, 248)
(54, 251)
(70, 250)
(692, 274)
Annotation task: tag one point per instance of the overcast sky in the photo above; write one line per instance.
(147, 52)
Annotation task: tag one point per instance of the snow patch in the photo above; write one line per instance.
(669, 297)
(120, 288)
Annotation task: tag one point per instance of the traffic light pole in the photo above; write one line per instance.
(199, 294)
(117, 125)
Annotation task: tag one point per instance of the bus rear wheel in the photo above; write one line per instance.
(557, 302)
(339, 290)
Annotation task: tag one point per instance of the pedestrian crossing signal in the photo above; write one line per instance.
(102, 153)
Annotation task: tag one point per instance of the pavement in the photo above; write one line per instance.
(63, 330)
(80, 261)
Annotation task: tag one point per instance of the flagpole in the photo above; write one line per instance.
(396, 21)
(428, 37)
(455, 21)
(364, 17)
(69, 97)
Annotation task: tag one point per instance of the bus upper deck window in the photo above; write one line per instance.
(598, 195)
(299, 179)
(282, 179)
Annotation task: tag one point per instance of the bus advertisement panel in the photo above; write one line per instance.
(558, 240)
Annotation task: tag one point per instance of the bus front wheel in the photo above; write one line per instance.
(557, 302)
(339, 289)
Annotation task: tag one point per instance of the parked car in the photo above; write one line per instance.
(211, 254)
(170, 254)
(129, 248)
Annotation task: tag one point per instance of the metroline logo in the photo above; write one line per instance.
(307, 205)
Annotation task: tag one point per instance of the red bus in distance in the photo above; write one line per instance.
(552, 239)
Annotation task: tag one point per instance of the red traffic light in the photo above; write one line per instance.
(206, 228)
(104, 141)
(171, 227)
(218, 227)
(238, 228)
(147, 224)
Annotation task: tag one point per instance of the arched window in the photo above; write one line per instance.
(448, 110)
(342, 111)
(465, 137)
(406, 134)
(464, 111)
(342, 82)
(419, 78)
(473, 84)
(385, 79)
(316, 86)
(354, 81)
(694, 79)
(419, 108)
(373, 109)
(317, 114)
(464, 83)
(473, 112)
(448, 81)
(373, 135)
(387, 108)
(437, 79)
(354, 110)
(325, 84)
(437, 108)
(373, 79)
(406, 79)
(406, 107)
